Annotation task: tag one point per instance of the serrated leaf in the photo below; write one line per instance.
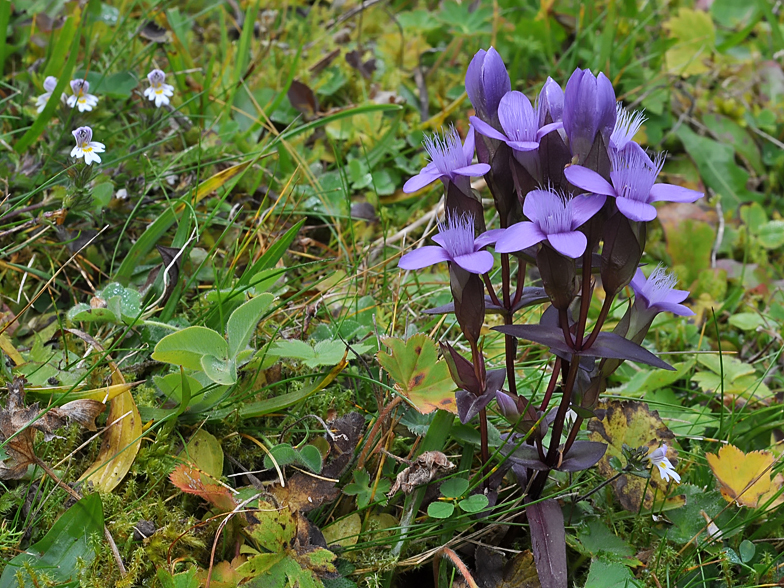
(417, 374)
(695, 38)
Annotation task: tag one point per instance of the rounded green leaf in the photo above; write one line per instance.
(310, 457)
(187, 347)
(440, 510)
(474, 503)
(220, 371)
(283, 454)
(747, 550)
(454, 487)
(242, 322)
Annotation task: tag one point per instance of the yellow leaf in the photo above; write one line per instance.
(103, 394)
(121, 439)
(10, 350)
(695, 38)
(743, 477)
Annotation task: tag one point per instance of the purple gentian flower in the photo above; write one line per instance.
(550, 101)
(486, 83)
(554, 218)
(456, 244)
(448, 157)
(633, 175)
(589, 108)
(519, 121)
(658, 294)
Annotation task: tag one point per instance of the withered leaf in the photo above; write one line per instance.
(365, 68)
(18, 424)
(302, 98)
(424, 470)
(154, 32)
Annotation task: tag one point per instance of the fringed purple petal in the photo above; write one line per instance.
(584, 207)
(488, 238)
(636, 211)
(519, 236)
(588, 180)
(485, 129)
(423, 257)
(479, 262)
(422, 179)
(476, 169)
(568, 244)
(673, 193)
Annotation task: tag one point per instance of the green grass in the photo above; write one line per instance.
(306, 203)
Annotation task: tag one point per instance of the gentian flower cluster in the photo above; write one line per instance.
(574, 193)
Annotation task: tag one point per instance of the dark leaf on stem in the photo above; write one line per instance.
(459, 203)
(468, 292)
(469, 405)
(461, 370)
(365, 68)
(583, 455)
(548, 541)
(614, 346)
(527, 456)
(495, 381)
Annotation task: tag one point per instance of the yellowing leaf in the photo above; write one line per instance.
(634, 424)
(422, 380)
(695, 38)
(121, 438)
(744, 478)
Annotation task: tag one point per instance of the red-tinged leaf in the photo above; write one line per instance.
(193, 481)
(548, 541)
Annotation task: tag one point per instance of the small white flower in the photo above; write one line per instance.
(86, 147)
(50, 83)
(658, 457)
(81, 98)
(121, 194)
(158, 92)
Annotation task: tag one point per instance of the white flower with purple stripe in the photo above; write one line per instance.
(519, 121)
(658, 458)
(456, 243)
(158, 92)
(448, 158)
(86, 147)
(50, 83)
(657, 293)
(554, 218)
(81, 97)
(633, 186)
